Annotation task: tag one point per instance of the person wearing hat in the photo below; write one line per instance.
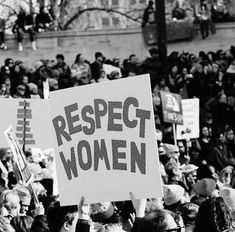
(174, 195)
(205, 187)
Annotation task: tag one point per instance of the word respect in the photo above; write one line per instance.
(88, 119)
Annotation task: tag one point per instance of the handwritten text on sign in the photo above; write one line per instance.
(104, 138)
(118, 117)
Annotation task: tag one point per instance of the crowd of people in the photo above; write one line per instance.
(27, 23)
(197, 174)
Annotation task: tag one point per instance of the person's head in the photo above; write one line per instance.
(11, 201)
(181, 147)
(7, 82)
(17, 69)
(62, 219)
(213, 215)
(150, 3)
(189, 213)
(60, 58)
(154, 52)
(215, 68)
(184, 71)
(3, 89)
(5, 154)
(229, 134)
(114, 75)
(22, 223)
(112, 227)
(205, 171)
(174, 195)
(33, 88)
(79, 58)
(25, 80)
(174, 69)
(158, 221)
(205, 132)
(177, 4)
(102, 74)
(9, 62)
(99, 57)
(25, 198)
(21, 90)
(133, 59)
(226, 175)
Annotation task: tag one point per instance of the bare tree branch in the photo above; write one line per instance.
(109, 10)
(9, 7)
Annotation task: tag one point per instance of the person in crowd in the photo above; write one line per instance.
(189, 213)
(11, 201)
(214, 215)
(132, 66)
(2, 33)
(97, 66)
(80, 69)
(178, 12)
(24, 23)
(62, 218)
(221, 156)
(203, 14)
(65, 72)
(43, 20)
(152, 65)
(174, 195)
(20, 92)
(230, 140)
(226, 177)
(149, 14)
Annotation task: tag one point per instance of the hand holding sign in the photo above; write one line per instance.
(139, 205)
(83, 210)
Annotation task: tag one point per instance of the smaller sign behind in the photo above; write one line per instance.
(18, 155)
(190, 129)
(171, 107)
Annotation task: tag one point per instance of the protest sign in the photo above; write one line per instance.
(105, 144)
(190, 128)
(29, 119)
(172, 108)
(18, 155)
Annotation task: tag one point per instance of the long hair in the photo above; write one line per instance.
(153, 221)
(214, 216)
(22, 223)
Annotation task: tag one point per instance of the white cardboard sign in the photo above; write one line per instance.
(105, 144)
(190, 129)
(18, 155)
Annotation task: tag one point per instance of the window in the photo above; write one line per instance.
(105, 3)
(105, 22)
(115, 21)
(133, 2)
(115, 2)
